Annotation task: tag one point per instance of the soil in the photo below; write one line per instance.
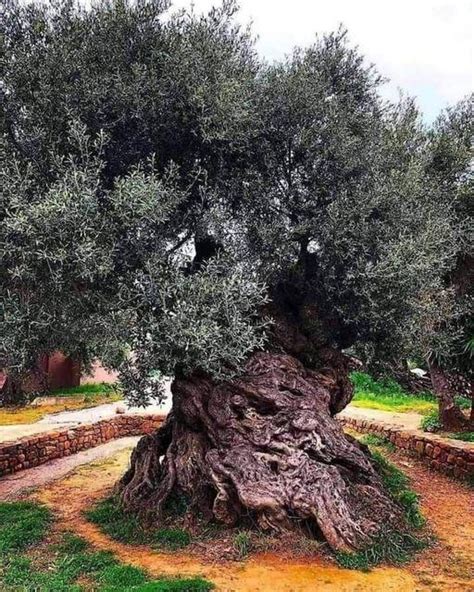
(448, 566)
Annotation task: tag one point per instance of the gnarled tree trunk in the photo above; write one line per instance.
(263, 448)
(451, 415)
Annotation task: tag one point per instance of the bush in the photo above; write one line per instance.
(431, 422)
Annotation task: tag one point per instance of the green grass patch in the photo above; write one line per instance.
(171, 538)
(71, 543)
(431, 422)
(93, 388)
(242, 543)
(397, 484)
(123, 576)
(66, 565)
(380, 441)
(387, 395)
(126, 528)
(117, 524)
(22, 524)
(172, 585)
(391, 547)
(464, 436)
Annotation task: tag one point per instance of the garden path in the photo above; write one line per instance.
(11, 486)
(446, 567)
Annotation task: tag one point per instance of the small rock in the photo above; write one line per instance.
(120, 410)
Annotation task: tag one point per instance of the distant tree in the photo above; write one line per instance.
(179, 209)
(451, 164)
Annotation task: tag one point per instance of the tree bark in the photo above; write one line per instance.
(265, 450)
(450, 414)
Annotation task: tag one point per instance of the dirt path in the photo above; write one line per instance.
(446, 567)
(12, 486)
(409, 421)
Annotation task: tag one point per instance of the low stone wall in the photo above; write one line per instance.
(35, 450)
(451, 457)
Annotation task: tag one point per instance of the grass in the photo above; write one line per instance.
(388, 395)
(92, 388)
(80, 397)
(171, 538)
(380, 441)
(21, 524)
(464, 436)
(243, 543)
(389, 546)
(127, 529)
(30, 563)
(432, 423)
(397, 483)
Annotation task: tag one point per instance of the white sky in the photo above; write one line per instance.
(425, 47)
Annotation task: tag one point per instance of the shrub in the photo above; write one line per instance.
(431, 422)
(464, 436)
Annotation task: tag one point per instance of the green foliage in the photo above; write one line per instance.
(101, 388)
(174, 585)
(164, 230)
(71, 544)
(387, 395)
(373, 440)
(171, 538)
(242, 542)
(431, 422)
(21, 524)
(122, 576)
(464, 436)
(387, 547)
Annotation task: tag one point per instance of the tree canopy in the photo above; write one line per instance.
(166, 192)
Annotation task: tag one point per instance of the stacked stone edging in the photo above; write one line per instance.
(35, 450)
(451, 457)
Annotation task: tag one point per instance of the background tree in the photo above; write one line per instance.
(184, 210)
(451, 165)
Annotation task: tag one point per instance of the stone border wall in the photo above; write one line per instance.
(451, 457)
(35, 450)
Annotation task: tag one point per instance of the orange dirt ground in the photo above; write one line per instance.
(448, 566)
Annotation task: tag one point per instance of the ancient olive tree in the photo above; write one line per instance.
(180, 209)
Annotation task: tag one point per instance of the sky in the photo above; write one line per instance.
(425, 47)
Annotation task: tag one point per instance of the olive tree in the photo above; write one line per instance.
(451, 165)
(182, 209)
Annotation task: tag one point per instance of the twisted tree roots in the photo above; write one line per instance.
(264, 449)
